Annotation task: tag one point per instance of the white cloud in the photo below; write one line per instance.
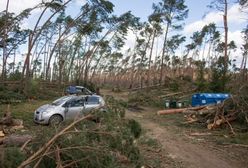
(130, 41)
(80, 2)
(17, 6)
(193, 27)
(235, 16)
(236, 36)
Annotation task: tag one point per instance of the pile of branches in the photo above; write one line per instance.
(109, 142)
(216, 116)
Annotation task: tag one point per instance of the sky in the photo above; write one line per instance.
(199, 15)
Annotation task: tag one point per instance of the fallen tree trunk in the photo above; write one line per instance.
(177, 93)
(219, 122)
(17, 140)
(181, 110)
(170, 111)
(203, 111)
(144, 87)
(200, 133)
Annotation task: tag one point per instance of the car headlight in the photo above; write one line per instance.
(46, 112)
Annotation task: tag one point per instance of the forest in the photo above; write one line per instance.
(88, 48)
(91, 48)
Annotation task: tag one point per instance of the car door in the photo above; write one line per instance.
(91, 102)
(74, 108)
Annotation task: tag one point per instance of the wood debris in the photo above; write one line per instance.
(17, 140)
(181, 110)
(200, 133)
(214, 116)
(8, 124)
(2, 134)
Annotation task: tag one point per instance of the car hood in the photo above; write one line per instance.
(46, 108)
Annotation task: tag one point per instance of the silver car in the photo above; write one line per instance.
(67, 107)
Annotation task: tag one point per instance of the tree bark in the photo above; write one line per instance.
(226, 42)
(141, 67)
(150, 58)
(163, 54)
(5, 37)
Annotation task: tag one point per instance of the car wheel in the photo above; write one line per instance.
(55, 120)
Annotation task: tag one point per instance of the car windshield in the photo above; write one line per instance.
(60, 101)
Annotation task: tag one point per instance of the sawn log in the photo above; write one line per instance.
(181, 110)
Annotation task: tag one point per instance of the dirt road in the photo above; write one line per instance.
(182, 149)
(191, 155)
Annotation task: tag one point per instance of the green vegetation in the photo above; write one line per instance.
(103, 144)
(24, 110)
(145, 98)
(12, 157)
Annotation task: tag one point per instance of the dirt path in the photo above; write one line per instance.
(190, 154)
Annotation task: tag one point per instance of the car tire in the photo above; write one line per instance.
(55, 119)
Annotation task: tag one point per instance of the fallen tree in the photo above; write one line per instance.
(181, 110)
(83, 143)
(215, 116)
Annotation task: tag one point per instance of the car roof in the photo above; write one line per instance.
(88, 96)
(79, 87)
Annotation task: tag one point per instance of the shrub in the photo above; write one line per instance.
(145, 98)
(7, 96)
(12, 157)
(174, 86)
(90, 144)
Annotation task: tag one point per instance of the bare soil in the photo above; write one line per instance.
(189, 153)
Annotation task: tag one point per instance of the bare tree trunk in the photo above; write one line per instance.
(132, 73)
(27, 63)
(163, 54)
(150, 58)
(60, 39)
(226, 42)
(141, 61)
(98, 61)
(61, 61)
(34, 37)
(14, 61)
(5, 37)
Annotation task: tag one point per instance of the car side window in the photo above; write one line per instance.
(76, 103)
(91, 100)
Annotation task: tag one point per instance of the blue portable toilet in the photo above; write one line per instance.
(201, 99)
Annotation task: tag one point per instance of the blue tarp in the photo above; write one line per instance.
(72, 90)
(200, 99)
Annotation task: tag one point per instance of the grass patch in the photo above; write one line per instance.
(100, 145)
(144, 140)
(146, 99)
(24, 111)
